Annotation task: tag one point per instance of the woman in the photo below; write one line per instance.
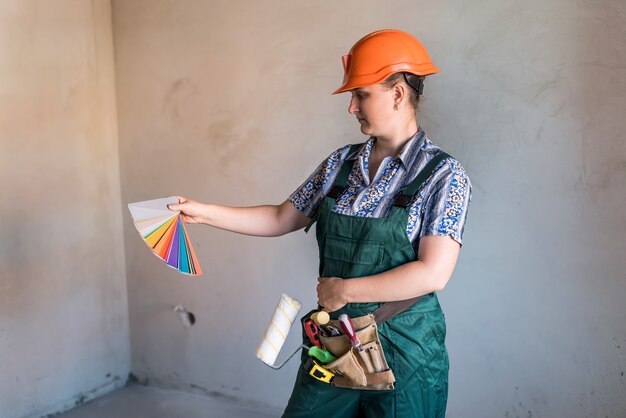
(373, 204)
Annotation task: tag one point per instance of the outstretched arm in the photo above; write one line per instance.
(262, 221)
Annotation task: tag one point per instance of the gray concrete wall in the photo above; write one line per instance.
(229, 102)
(63, 306)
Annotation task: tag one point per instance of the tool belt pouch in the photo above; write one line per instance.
(362, 367)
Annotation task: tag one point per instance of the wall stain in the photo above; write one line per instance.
(134, 379)
(179, 92)
(80, 400)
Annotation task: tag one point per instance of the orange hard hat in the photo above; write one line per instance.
(382, 53)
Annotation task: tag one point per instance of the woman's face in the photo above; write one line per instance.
(373, 108)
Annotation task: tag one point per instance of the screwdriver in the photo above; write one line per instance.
(348, 328)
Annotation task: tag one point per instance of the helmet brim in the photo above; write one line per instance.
(355, 82)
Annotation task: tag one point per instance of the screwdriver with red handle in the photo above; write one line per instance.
(348, 328)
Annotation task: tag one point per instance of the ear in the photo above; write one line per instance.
(399, 93)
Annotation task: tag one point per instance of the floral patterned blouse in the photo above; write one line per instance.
(439, 207)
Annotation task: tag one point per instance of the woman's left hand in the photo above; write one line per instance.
(330, 293)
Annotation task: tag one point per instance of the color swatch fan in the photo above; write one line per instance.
(164, 232)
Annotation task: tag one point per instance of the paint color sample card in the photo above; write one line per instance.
(164, 232)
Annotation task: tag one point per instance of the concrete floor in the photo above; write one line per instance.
(136, 401)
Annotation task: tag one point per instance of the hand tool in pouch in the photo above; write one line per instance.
(312, 332)
(330, 331)
(318, 372)
(320, 318)
(314, 352)
(348, 328)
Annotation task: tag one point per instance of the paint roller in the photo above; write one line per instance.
(285, 314)
(278, 329)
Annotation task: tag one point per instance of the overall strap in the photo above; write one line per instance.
(341, 182)
(390, 309)
(405, 196)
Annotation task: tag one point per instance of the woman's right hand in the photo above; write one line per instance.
(191, 211)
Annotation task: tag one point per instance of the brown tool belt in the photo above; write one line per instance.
(362, 367)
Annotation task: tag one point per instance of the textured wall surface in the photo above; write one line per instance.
(63, 307)
(229, 102)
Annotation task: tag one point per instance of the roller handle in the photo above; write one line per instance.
(348, 328)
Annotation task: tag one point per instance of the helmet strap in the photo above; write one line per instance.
(418, 85)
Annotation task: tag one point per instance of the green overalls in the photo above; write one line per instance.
(413, 341)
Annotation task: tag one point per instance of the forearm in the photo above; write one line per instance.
(430, 273)
(403, 282)
(265, 220)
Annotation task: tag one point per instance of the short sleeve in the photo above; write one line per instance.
(309, 195)
(445, 210)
